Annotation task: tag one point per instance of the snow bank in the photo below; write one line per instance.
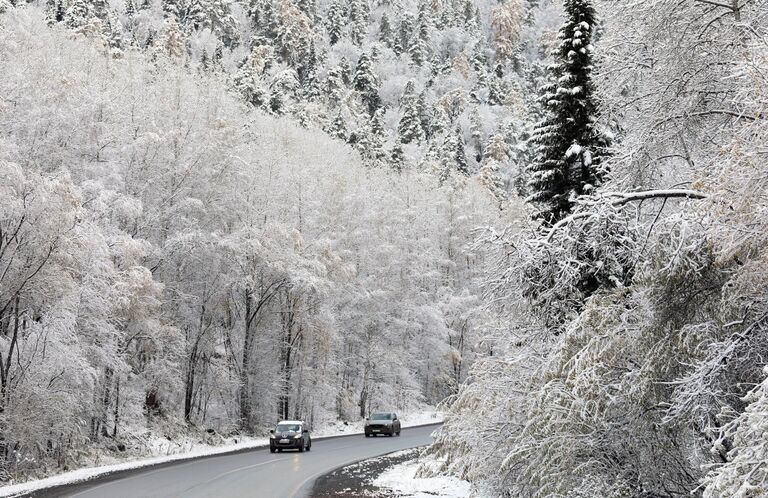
(198, 450)
(402, 480)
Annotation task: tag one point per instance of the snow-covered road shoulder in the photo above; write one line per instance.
(394, 475)
(401, 480)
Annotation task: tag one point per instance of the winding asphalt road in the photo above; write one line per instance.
(253, 474)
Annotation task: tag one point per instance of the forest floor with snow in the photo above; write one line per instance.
(388, 476)
(161, 450)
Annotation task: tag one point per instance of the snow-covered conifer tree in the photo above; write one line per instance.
(409, 128)
(338, 127)
(385, 30)
(358, 21)
(335, 21)
(366, 83)
(568, 143)
(397, 158)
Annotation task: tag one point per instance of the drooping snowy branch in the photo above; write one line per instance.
(621, 198)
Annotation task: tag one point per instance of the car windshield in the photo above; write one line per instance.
(288, 428)
(381, 416)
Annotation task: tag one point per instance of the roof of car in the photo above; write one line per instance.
(291, 422)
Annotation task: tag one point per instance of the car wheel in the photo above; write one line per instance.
(279, 450)
(271, 450)
(367, 435)
(309, 448)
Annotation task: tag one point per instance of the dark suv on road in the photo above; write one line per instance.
(382, 423)
(290, 435)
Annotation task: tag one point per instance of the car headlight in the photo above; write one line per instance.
(367, 422)
(297, 436)
(272, 436)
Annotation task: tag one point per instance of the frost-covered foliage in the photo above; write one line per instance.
(745, 474)
(173, 260)
(655, 385)
(304, 59)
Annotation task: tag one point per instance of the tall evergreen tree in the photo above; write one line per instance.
(476, 132)
(335, 88)
(345, 71)
(419, 51)
(405, 32)
(78, 14)
(397, 158)
(248, 83)
(568, 143)
(378, 135)
(497, 92)
(54, 10)
(453, 155)
(367, 83)
(172, 9)
(460, 155)
(385, 30)
(335, 23)
(423, 21)
(358, 20)
(409, 128)
(365, 79)
(113, 32)
(338, 127)
(424, 115)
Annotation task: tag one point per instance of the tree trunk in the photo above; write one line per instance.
(245, 388)
(105, 402)
(192, 361)
(117, 407)
(5, 368)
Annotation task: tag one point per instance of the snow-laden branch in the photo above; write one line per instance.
(622, 198)
(567, 220)
(710, 112)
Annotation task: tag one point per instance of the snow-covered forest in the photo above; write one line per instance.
(172, 259)
(547, 215)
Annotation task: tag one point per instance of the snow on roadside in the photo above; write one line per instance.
(88, 473)
(197, 450)
(402, 481)
(406, 420)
